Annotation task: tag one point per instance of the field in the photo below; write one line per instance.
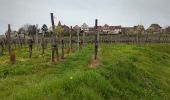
(121, 72)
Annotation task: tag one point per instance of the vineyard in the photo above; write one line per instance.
(84, 66)
(121, 72)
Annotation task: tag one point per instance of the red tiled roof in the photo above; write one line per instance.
(156, 26)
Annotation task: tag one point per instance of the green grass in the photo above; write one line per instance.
(124, 72)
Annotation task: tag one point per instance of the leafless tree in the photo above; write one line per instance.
(32, 31)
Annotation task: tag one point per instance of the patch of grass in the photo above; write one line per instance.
(124, 72)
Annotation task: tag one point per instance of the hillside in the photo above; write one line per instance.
(123, 72)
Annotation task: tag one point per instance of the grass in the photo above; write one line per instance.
(124, 72)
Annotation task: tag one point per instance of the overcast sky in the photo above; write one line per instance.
(76, 12)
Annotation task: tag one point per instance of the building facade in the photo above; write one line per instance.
(154, 28)
(85, 27)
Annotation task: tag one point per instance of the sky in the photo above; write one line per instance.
(76, 12)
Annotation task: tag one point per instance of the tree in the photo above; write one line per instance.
(44, 29)
(32, 31)
(21, 31)
(25, 28)
(58, 30)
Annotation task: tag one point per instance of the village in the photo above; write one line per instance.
(106, 29)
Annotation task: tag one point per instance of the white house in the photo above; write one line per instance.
(85, 27)
(115, 29)
(76, 27)
(105, 28)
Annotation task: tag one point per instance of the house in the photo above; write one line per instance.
(139, 29)
(128, 30)
(110, 29)
(92, 29)
(99, 28)
(167, 29)
(154, 28)
(13, 34)
(106, 28)
(64, 28)
(85, 27)
(76, 27)
(115, 29)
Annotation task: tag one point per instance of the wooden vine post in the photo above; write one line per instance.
(62, 49)
(97, 32)
(139, 36)
(54, 44)
(52, 53)
(96, 40)
(82, 40)
(37, 37)
(57, 54)
(19, 38)
(30, 43)
(9, 38)
(43, 44)
(11, 52)
(78, 39)
(84, 37)
(70, 41)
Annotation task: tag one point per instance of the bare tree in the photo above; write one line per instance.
(44, 29)
(20, 32)
(25, 28)
(32, 31)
